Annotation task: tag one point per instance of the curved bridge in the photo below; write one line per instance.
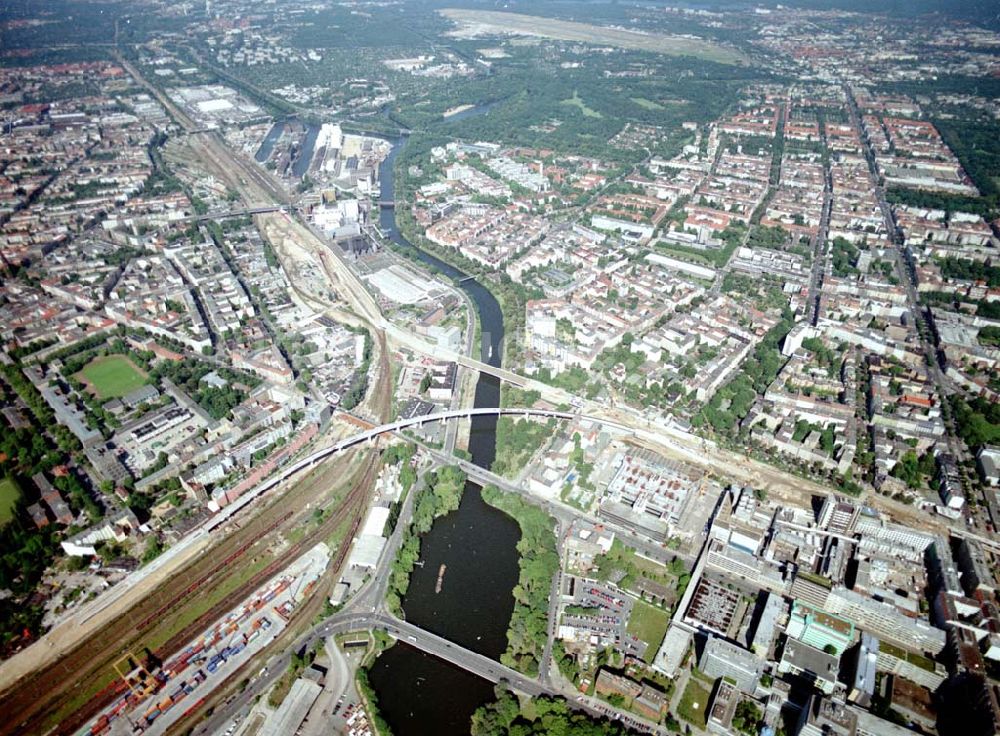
(441, 416)
(370, 434)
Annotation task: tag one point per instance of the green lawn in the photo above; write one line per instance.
(694, 703)
(112, 376)
(649, 623)
(647, 104)
(717, 257)
(9, 496)
(684, 255)
(577, 101)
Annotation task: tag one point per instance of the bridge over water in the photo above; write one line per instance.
(370, 434)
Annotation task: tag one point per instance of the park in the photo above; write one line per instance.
(111, 376)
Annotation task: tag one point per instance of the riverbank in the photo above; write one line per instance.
(380, 642)
(508, 295)
(538, 562)
(440, 494)
(475, 544)
(458, 109)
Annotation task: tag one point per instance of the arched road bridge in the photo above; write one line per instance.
(370, 434)
(374, 432)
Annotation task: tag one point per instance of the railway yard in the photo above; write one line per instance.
(249, 553)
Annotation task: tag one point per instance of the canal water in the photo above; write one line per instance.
(267, 145)
(301, 165)
(419, 694)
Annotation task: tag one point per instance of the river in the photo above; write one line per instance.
(419, 694)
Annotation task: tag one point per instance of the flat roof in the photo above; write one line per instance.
(367, 550)
(294, 708)
(375, 521)
(810, 659)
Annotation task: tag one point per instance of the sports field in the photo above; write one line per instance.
(9, 496)
(111, 376)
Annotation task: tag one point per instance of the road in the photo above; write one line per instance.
(943, 386)
(367, 600)
(562, 512)
(254, 179)
(365, 610)
(545, 666)
(818, 269)
(413, 636)
(694, 448)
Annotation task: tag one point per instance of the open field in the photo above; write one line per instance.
(9, 495)
(577, 101)
(649, 623)
(472, 23)
(112, 376)
(646, 104)
(694, 703)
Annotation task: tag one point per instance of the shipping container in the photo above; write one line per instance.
(180, 670)
(100, 725)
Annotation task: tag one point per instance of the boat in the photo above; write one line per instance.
(440, 580)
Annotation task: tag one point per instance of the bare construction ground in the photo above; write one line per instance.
(474, 23)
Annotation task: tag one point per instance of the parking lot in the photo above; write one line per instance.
(612, 609)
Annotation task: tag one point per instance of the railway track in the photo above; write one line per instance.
(25, 706)
(306, 612)
(352, 506)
